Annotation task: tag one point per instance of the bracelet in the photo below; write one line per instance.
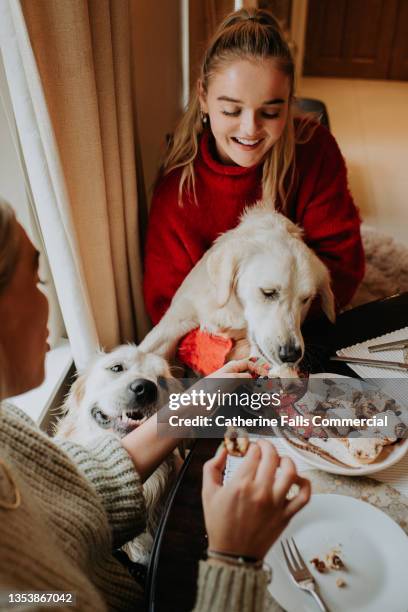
(241, 561)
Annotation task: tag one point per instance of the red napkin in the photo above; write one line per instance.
(203, 352)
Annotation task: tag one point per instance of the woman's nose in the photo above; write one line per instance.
(249, 124)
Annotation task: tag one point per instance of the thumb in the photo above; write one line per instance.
(213, 471)
(239, 365)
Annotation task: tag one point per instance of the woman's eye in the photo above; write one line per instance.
(305, 300)
(264, 114)
(231, 114)
(270, 294)
(41, 282)
(270, 115)
(118, 367)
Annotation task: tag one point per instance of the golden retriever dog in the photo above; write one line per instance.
(257, 280)
(117, 393)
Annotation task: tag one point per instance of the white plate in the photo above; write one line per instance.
(373, 547)
(396, 454)
(399, 450)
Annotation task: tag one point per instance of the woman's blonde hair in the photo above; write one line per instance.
(247, 33)
(9, 249)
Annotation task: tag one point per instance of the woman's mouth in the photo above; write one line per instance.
(248, 144)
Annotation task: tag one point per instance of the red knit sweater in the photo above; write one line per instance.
(320, 203)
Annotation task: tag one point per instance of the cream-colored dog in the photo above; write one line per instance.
(259, 280)
(117, 393)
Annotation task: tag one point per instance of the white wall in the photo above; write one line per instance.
(369, 120)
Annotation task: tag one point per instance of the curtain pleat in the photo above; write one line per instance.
(82, 49)
(46, 180)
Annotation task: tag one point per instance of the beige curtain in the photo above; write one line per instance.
(82, 49)
(204, 17)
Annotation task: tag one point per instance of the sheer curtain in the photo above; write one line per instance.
(68, 68)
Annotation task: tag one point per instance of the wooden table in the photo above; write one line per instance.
(181, 538)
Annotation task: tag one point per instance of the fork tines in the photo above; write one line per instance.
(300, 573)
(295, 561)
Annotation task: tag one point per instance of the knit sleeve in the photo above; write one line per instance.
(167, 261)
(330, 218)
(223, 588)
(17, 412)
(108, 467)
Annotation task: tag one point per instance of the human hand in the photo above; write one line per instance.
(229, 376)
(247, 514)
(233, 369)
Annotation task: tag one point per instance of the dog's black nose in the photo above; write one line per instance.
(145, 391)
(289, 353)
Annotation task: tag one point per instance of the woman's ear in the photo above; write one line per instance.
(202, 96)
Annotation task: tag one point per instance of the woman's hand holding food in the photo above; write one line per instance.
(233, 369)
(247, 514)
(147, 449)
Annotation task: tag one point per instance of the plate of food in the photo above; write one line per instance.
(345, 426)
(357, 554)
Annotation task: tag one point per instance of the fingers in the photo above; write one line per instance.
(233, 369)
(213, 471)
(285, 478)
(249, 464)
(252, 367)
(268, 464)
(240, 365)
(301, 499)
(234, 375)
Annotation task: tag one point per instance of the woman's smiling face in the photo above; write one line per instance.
(247, 104)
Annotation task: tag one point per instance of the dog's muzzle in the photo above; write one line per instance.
(143, 392)
(142, 398)
(289, 353)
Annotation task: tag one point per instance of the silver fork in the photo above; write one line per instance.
(300, 573)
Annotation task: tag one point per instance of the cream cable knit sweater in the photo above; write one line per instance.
(76, 505)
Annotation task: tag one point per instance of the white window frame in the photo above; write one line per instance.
(14, 187)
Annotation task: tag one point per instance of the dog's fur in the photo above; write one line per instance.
(224, 293)
(98, 402)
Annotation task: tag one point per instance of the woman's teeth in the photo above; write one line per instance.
(247, 142)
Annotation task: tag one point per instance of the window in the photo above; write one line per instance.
(14, 187)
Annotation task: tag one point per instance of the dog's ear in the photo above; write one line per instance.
(327, 297)
(76, 393)
(222, 267)
(67, 423)
(323, 285)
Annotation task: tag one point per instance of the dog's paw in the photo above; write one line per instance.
(139, 549)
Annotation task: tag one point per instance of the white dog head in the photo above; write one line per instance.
(117, 393)
(266, 265)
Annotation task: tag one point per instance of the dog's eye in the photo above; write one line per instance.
(118, 367)
(163, 383)
(270, 294)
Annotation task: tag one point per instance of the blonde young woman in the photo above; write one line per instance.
(63, 509)
(238, 142)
